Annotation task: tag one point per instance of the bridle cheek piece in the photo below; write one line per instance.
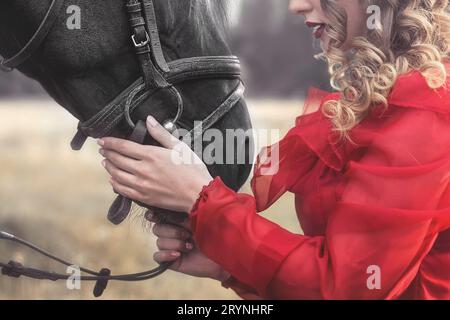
(157, 75)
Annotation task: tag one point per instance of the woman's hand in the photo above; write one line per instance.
(169, 177)
(175, 243)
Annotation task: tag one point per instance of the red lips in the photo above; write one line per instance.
(318, 28)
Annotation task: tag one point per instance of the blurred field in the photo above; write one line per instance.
(58, 198)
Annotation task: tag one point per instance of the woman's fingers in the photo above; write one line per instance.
(166, 256)
(174, 245)
(160, 134)
(124, 147)
(122, 162)
(126, 191)
(171, 231)
(172, 242)
(121, 176)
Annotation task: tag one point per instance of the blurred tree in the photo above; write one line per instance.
(276, 50)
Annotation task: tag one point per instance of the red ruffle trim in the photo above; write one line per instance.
(203, 195)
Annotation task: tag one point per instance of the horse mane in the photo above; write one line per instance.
(203, 14)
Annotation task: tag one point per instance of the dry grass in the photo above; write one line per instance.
(58, 198)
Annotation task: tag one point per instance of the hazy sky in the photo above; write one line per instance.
(279, 10)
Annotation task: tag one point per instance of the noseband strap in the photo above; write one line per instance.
(102, 123)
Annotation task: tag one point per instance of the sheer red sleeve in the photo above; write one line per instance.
(395, 200)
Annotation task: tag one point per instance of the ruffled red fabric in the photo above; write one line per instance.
(280, 167)
(377, 207)
(203, 195)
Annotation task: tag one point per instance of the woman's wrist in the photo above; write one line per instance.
(194, 192)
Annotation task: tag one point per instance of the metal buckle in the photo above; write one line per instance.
(143, 43)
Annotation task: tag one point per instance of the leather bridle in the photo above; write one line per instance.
(157, 76)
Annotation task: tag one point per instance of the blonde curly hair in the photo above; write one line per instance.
(412, 35)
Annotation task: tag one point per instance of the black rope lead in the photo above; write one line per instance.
(15, 269)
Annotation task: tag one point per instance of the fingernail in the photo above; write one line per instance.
(175, 254)
(102, 152)
(152, 121)
(100, 142)
(189, 246)
(104, 163)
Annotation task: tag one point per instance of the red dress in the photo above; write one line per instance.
(379, 207)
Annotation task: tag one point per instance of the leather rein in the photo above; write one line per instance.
(157, 75)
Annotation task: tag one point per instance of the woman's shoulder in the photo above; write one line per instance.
(417, 116)
(416, 113)
(411, 90)
(414, 129)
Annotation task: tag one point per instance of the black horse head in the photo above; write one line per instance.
(88, 61)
